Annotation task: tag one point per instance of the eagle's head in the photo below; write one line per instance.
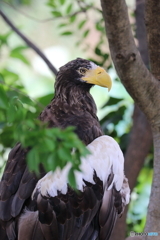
(81, 72)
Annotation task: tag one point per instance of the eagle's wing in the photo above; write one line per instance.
(11, 196)
(16, 186)
(18, 183)
(87, 214)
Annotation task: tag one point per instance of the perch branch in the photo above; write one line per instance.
(29, 43)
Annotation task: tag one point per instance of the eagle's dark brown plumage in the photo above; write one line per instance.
(73, 105)
(72, 216)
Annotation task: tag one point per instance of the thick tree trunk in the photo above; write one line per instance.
(141, 135)
(153, 35)
(140, 83)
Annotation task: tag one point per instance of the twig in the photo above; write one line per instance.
(87, 6)
(29, 43)
(47, 19)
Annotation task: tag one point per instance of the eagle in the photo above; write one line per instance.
(45, 207)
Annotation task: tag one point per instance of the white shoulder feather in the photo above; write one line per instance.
(106, 157)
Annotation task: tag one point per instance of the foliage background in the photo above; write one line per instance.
(64, 30)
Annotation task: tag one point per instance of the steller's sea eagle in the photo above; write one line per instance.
(46, 208)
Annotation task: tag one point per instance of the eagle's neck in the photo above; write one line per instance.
(76, 96)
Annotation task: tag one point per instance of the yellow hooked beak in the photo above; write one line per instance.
(98, 76)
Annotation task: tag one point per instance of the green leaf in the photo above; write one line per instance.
(19, 55)
(7, 137)
(56, 14)
(26, 99)
(33, 159)
(3, 98)
(9, 76)
(11, 113)
(52, 5)
(85, 34)
(51, 163)
(26, 2)
(64, 154)
(45, 100)
(105, 56)
(98, 51)
(66, 33)
(1, 78)
(81, 24)
(63, 25)
(30, 123)
(73, 18)
(112, 101)
(100, 26)
(62, 2)
(114, 116)
(4, 38)
(69, 8)
(49, 144)
(71, 178)
(19, 48)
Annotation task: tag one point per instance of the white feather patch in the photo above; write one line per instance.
(105, 157)
(93, 65)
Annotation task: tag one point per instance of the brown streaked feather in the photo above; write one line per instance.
(3, 231)
(11, 229)
(29, 227)
(73, 220)
(109, 211)
(106, 230)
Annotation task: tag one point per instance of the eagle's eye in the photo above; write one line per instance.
(82, 70)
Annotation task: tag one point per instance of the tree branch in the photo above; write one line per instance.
(82, 10)
(141, 136)
(29, 43)
(141, 33)
(139, 82)
(153, 34)
(139, 146)
(153, 23)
